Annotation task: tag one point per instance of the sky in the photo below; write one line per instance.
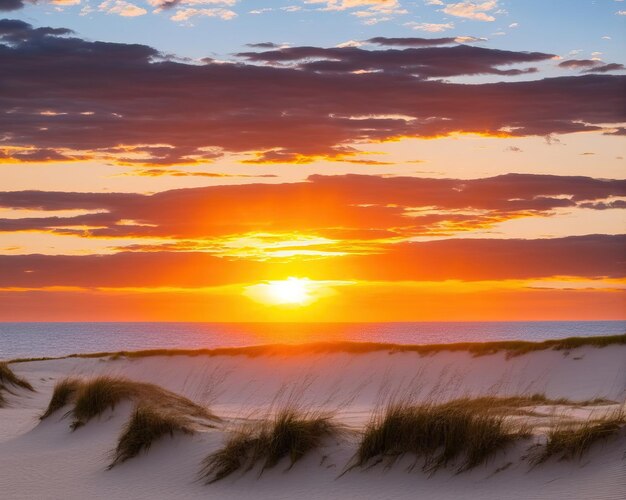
(312, 160)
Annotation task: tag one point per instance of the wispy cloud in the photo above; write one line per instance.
(477, 11)
(121, 8)
(430, 27)
(185, 14)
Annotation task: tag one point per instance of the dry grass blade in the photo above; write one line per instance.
(233, 456)
(572, 441)
(291, 433)
(98, 395)
(439, 434)
(7, 377)
(63, 393)
(92, 397)
(294, 435)
(147, 425)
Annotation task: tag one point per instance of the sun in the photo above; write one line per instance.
(294, 291)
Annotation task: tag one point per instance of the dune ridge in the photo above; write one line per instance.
(155, 452)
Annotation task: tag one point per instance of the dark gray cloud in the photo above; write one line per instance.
(604, 68)
(264, 45)
(425, 62)
(412, 41)
(64, 92)
(10, 5)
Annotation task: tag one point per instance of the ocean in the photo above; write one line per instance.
(20, 340)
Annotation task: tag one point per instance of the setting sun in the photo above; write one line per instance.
(293, 292)
(289, 291)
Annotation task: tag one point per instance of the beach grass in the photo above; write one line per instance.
(100, 394)
(94, 396)
(8, 377)
(508, 405)
(510, 348)
(466, 432)
(9, 380)
(146, 425)
(570, 441)
(62, 394)
(291, 433)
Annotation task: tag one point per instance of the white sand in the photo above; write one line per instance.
(47, 461)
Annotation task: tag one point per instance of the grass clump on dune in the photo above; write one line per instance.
(147, 425)
(157, 413)
(512, 405)
(100, 394)
(439, 434)
(9, 378)
(570, 441)
(92, 397)
(63, 393)
(290, 434)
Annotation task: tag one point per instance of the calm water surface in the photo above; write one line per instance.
(57, 339)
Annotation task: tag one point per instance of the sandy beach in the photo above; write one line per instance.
(47, 459)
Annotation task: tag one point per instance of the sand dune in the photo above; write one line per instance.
(47, 460)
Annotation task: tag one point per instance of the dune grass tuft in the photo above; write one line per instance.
(9, 378)
(92, 397)
(569, 441)
(147, 425)
(98, 395)
(63, 393)
(457, 432)
(291, 433)
(157, 411)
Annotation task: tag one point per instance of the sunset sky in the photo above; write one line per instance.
(312, 160)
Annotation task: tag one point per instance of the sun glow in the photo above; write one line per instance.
(290, 291)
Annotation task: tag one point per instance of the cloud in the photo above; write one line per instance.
(350, 43)
(477, 11)
(10, 5)
(421, 62)
(121, 8)
(342, 96)
(430, 27)
(457, 259)
(170, 4)
(328, 206)
(411, 42)
(184, 10)
(182, 15)
(161, 172)
(264, 45)
(591, 65)
(371, 11)
(604, 68)
(578, 63)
